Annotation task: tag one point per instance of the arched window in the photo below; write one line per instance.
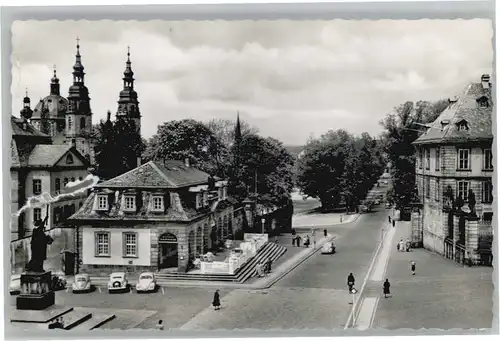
(69, 159)
(82, 123)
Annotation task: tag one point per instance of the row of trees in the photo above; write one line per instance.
(401, 128)
(223, 148)
(340, 167)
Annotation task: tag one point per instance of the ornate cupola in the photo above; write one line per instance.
(54, 84)
(78, 97)
(26, 111)
(128, 104)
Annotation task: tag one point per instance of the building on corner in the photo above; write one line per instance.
(454, 173)
(160, 215)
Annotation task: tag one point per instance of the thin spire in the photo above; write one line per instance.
(128, 54)
(26, 91)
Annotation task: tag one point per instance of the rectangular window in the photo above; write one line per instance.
(427, 187)
(438, 158)
(463, 159)
(487, 159)
(37, 214)
(487, 190)
(129, 244)
(37, 186)
(158, 204)
(102, 202)
(58, 185)
(437, 190)
(102, 244)
(427, 159)
(463, 189)
(129, 203)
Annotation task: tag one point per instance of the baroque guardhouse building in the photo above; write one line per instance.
(160, 215)
(454, 172)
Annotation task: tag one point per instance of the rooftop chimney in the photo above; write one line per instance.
(485, 81)
(186, 162)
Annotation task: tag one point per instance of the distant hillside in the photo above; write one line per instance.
(294, 150)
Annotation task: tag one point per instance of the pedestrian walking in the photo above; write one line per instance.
(298, 239)
(393, 223)
(389, 219)
(307, 242)
(408, 245)
(268, 264)
(160, 326)
(325, 233)
(402, 245)
(387, 288)
(350, 281)
(216, 301)
(398, 246)
(413, 267)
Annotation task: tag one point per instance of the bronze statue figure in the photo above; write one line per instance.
(39, 242)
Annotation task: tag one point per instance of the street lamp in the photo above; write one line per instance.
(263, 221)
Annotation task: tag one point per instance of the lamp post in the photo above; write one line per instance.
(263, 221)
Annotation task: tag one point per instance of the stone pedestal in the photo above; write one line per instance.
(36, 293)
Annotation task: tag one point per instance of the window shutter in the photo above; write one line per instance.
(124, 244)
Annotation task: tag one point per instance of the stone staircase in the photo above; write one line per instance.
(246, 271)
(78, 319)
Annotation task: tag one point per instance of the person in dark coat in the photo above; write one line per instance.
(294, 238)
(413, 267)
(387, 288)
(393, 223)
(350, 281)
(325, 233)
(389, 219)
(298, 240)
(216, 301)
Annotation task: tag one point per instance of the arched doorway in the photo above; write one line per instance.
(167, 256)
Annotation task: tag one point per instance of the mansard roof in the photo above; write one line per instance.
(155, 174)
(479, 119)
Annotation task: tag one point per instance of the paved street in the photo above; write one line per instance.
(314, 295)
(442, 294)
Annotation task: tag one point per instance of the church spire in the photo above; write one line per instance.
(237, 130)
(54, 84)
(128, 105)
(78, 68)
(26, 111)
(128, 74)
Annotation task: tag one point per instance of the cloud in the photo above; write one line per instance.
(290, 78)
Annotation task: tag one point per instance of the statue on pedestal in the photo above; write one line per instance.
(39, 242)
(472, 203)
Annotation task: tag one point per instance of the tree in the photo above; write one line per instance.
(178, 140)
(400, 132)
(265, 168)
(225, 130)
(117, 147)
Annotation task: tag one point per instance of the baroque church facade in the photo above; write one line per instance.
(68, 120)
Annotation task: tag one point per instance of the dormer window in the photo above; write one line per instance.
(158, 204)
(102, 202)
(69, 159)
(129, 203)
(198, 201)
(462, 125)
(482, 102)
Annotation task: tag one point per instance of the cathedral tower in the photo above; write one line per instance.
(79, 114)
(128, 105)
(26, 111)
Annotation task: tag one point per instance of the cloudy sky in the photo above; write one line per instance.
(290, 79)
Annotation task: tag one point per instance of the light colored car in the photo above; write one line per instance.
(146, 282)
(328, 248)
(117, 282)
(82, 283)
(15, 284)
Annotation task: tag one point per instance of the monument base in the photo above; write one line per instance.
(36, 292)
(35, 302)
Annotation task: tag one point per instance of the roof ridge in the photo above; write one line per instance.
(123, 174)
(157, 169)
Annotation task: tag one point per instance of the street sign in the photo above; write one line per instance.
(353, 291)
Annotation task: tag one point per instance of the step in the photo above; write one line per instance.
(74, 318)
(274, 255)
(97, 320)
(250, 272)
(250, 266)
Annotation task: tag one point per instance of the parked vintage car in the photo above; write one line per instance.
(328, 248)
(15, 284)
(146, 282)
(82, 283)
(118, 282)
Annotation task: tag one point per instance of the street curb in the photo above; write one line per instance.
(294, 266)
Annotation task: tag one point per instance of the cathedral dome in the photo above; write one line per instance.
(55, 105)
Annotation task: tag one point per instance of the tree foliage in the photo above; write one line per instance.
(338, 166)
(117, 147)
(401, 129)
(178, 140)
